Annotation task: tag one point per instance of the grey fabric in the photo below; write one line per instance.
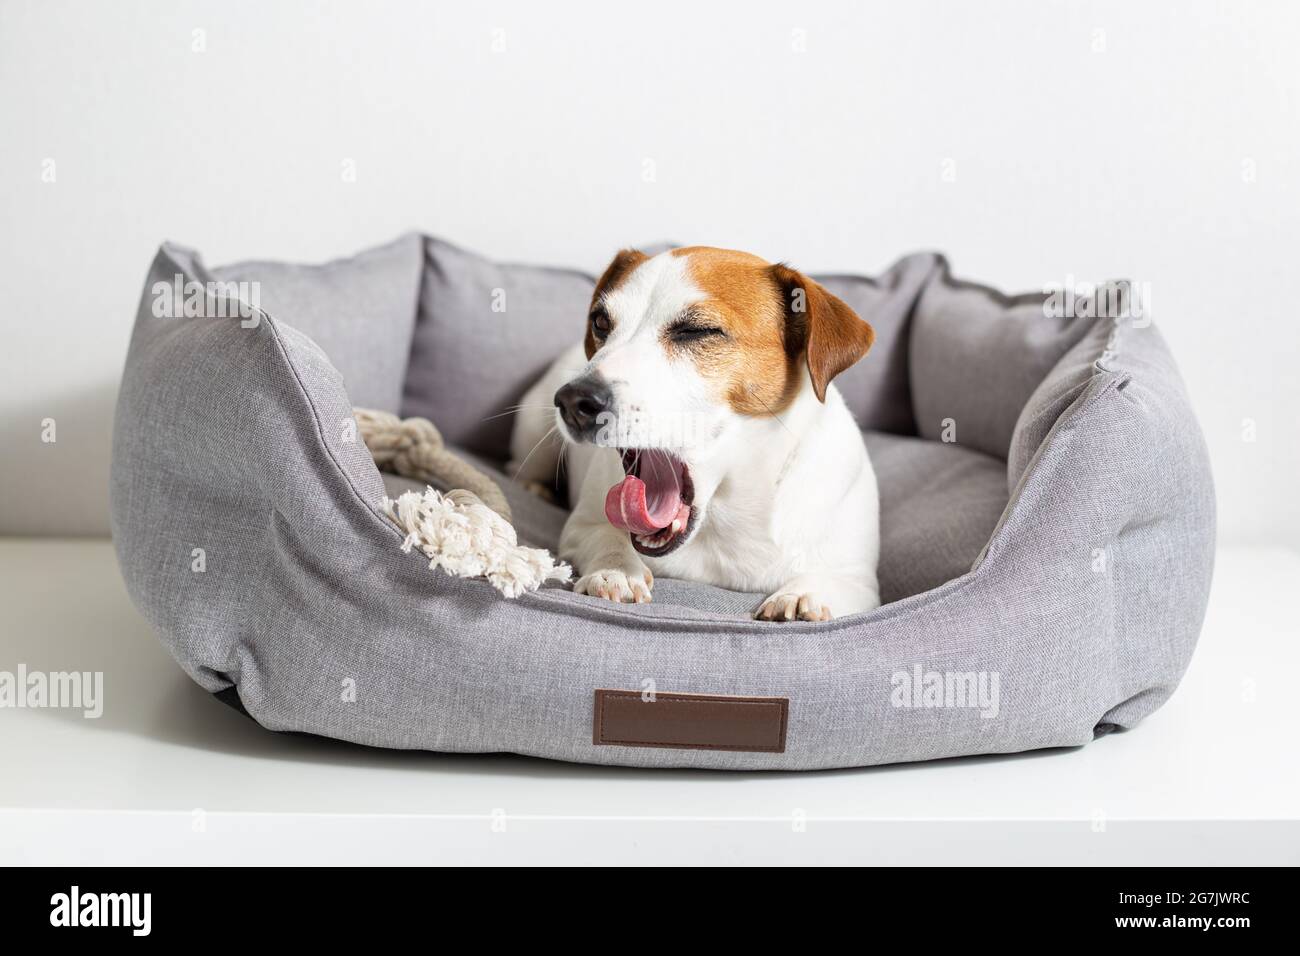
(976, 357)
(939, 503)
(360, 311)
(1085, 602)
(485, 332)
(1057, 392)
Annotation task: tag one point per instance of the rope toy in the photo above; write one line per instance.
(466, 531)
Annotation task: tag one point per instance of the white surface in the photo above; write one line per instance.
(170, 774)
(1088, 139)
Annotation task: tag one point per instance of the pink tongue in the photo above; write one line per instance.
(626, 507)
(651, 500)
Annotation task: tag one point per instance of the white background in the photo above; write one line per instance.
(1154, 141)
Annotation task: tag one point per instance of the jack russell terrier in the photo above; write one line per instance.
(704, 439)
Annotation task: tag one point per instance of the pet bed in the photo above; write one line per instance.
(1047, 526)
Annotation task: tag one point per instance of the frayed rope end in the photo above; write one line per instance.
(461, 535)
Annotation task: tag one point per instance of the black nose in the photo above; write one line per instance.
(581, 404)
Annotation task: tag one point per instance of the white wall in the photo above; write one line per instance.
(1088, 139)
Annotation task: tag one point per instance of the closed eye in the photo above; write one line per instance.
(688, 332)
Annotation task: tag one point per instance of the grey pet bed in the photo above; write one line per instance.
(1047, 528)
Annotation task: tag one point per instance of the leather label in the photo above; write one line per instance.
(690, 721)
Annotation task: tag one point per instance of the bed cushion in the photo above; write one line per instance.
(977, 355)
(485, 332)
(939, 504)
(359, 310)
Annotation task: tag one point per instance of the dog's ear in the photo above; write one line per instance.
(822, 326)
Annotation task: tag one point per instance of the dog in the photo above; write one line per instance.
(704, 439)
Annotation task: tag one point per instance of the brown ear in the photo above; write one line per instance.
(830, 334)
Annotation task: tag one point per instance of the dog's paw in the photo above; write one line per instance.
(618, 586)
(786, 606)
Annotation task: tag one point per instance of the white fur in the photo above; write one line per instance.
(787, 504)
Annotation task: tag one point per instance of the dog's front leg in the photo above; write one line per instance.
(609, 567)
(820, 597)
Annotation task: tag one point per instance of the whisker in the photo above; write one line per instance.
(549, 433)
(559, 461)
(514, 410)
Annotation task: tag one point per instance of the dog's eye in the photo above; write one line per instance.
(600, 324)
(685, 334)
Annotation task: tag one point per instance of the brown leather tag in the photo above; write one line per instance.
(690, 721)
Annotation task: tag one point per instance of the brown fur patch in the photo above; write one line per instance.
(619, 268)
(757, 367)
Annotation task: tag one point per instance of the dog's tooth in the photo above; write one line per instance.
(677, 526)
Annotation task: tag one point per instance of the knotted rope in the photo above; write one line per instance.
(466, 531)
(413, 448)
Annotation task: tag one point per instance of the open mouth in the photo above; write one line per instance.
(653, 502)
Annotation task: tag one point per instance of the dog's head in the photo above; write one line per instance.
(687, 350)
